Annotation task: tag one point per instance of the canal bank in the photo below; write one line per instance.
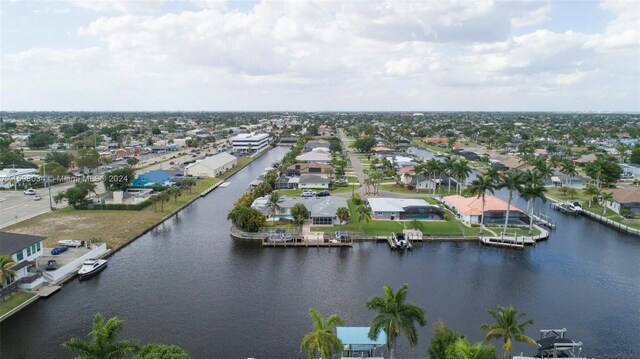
(180, 281)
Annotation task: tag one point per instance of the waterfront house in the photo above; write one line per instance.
(469, 210)
(213, 166)
(318, 155)
(309, 181)
(403, 209)
(624, 198)
(152, 178)
(405, 174)
(24, 249)
(307, 168)
(312, 145)
(322, 209)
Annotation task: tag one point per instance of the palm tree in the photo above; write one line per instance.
(569, 170)
(462, 171)
(322, 340)
(188, 182)
(395, 317)
(448, 165)
(479, 187)
(6, 263)
(462, 349)
(363, 215)
(434, 168)
(103, 342)
(622, 151)
(591, 191)
(273, 203)
(512, 181)
(604, 198)
(533, 189)
(417, 170)
(508, 327)
(343, 214)
(543, 169)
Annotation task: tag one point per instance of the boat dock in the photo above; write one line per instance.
(543, 220)
(503, 242)
(564, 208)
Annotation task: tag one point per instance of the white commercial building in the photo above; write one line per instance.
(212, 166)
(10, 175)
(250, 141)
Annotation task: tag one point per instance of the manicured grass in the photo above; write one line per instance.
(13, 301)
(352, 179)
(110, 226)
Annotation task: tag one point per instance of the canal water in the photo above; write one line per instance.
(187, 283)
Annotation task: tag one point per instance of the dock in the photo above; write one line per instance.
(502, 242)
(562, 207)
(543, 220)
(48, 290)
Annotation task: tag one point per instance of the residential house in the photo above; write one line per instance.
(469, 209)
(403, 209)
(309, 181)
(405, 174)
(152, 178)
(322, 209)
(24, 250)
(307, 168)
(312, 145)
(625, 198)
(213, 166)
(287, 182)
(318, 155)
(585, 159)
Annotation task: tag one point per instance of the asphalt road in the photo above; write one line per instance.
(15, 206)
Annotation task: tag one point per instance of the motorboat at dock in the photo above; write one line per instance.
(91, 267)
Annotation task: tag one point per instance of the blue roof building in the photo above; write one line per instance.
(356, 342)
(152, 178)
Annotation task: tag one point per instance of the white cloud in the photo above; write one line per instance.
(284, 54)
(121, 6)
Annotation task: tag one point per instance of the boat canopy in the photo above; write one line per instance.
(357, 338)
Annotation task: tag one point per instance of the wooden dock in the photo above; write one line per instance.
(304, 243)
(500, 242)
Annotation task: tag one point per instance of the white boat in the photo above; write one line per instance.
(70, 243)
(91, 267)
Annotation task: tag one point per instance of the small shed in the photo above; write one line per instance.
(357, 343)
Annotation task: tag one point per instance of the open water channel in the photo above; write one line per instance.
(188, 283)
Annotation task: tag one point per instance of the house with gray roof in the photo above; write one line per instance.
(403, 209)
(24, 249)
(308, 181)
(322, 209)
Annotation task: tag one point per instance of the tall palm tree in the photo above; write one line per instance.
(395, 317)
(6, 262)
(508, 327)
(322, 340)
(274, 202)
(448, 165)
(604, 198)
(512, 181)
(622, 151)
(569, 170)
(103, 342)
(462, 171)
(591, 191)
(533, 189)
(434, 168)
(479, 188)
(418, 169)
(363, 215)
(544, 170)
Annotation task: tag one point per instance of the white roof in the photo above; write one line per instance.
(394, 204)
(249, 137)
(314, 156)
(12, 172)
(214, 162)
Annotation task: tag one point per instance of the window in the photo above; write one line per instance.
(20, 256)
(38, 247)
(28, 251)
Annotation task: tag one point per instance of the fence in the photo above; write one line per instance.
(617, 225)
(11, 287)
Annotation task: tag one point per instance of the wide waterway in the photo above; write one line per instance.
(187, 283)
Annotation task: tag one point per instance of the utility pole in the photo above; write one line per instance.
(46, 183)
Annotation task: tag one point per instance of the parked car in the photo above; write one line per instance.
(323, 194)
(30, 192)
(51, 264)
(58, 250)
(171, 163)
(308, 194)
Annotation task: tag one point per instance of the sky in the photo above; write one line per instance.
(155, 55)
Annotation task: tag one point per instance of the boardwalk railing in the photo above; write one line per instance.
(237, 233)
(617, 225)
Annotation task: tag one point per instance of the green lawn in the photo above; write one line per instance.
(352, 179)
(14, 300)
(442, 190)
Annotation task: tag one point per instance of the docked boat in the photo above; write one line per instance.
(401, 241)
(70, 243)
(554, 344)
(91, 267)
(574, 207)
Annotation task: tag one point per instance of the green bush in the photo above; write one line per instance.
(356, 199)
(119, 207)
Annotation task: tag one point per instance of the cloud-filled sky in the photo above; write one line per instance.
(320, 55)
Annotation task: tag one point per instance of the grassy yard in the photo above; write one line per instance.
(14, 300)
(442, 190)
(112, 227)
(352, 179)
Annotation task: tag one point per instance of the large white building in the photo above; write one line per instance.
(212, 166)
(250, 141)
